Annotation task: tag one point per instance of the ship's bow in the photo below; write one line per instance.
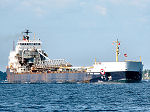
(134, 71)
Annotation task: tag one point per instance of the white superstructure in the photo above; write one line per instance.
(28, 55)
(29, 44)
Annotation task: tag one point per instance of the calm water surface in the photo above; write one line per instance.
(75, 97)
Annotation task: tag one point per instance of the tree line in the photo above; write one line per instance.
(3, 76)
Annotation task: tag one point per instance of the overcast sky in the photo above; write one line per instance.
(78, 30)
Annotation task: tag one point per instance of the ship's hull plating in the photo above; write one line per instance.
(49, 78)
(128, 76)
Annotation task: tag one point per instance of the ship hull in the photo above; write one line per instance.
(129, 71)
(49, 78)
(128, 76)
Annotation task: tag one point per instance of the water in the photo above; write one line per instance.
(75, 97)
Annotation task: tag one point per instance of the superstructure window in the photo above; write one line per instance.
(29, 43)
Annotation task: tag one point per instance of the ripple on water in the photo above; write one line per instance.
(75, 97)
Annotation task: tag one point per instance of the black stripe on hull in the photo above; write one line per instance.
(128, 76)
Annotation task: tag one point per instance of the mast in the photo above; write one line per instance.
(27, 32)
(140, 59)
(34, 35)
(26, 37)
(117, 49)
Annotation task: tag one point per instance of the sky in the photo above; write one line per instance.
(78, 30)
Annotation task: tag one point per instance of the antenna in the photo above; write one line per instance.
(27, 32)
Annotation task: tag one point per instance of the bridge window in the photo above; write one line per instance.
(29, 43)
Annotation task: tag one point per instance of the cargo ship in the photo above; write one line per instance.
(28, 63)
